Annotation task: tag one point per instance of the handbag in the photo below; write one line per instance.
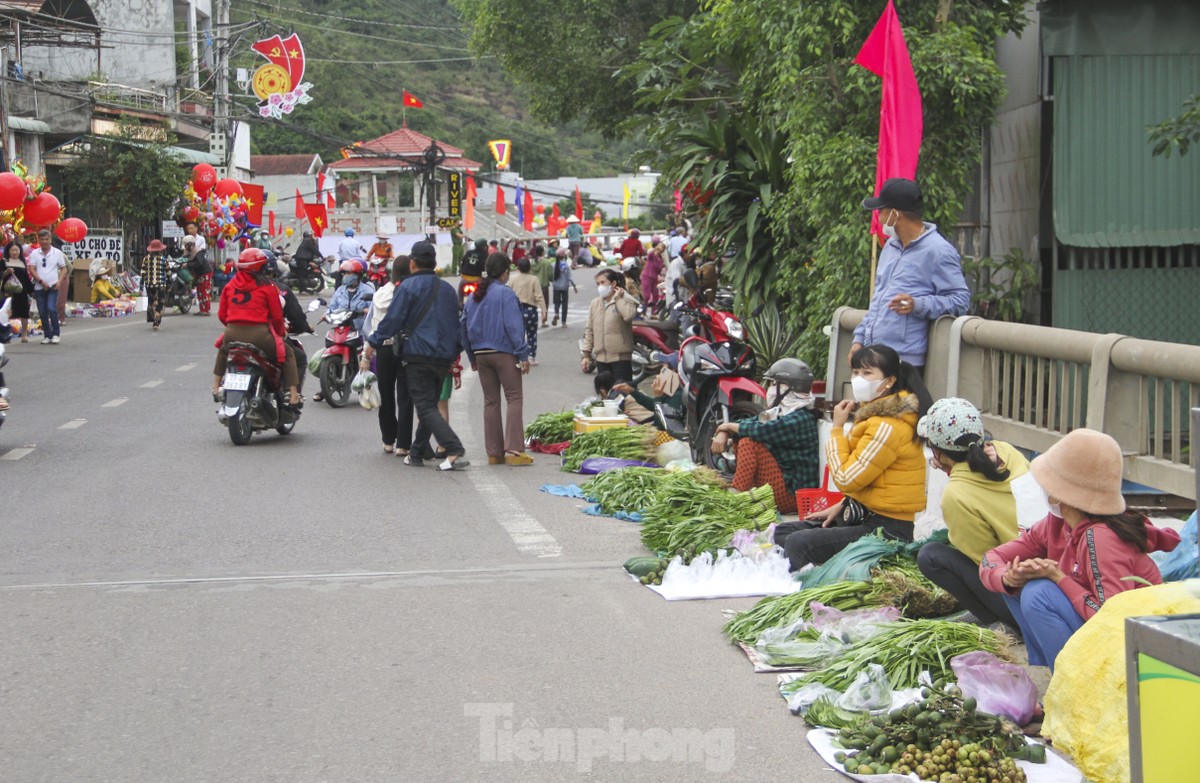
(406, 332)
(853, 513)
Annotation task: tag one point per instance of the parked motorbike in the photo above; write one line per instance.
(651, 336)
(306, 278)
(252, 394)
(339, 361)
(180, 294)
(717, 369)
(714, 323)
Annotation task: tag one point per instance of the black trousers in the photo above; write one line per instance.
(958, 575)
(425, 389)
(805, 544)
(396, 408)
(621, 371)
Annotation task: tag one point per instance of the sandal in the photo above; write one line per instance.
(318, 397)
(389, 448)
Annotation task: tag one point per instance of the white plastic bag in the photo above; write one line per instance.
(363, 380)
(869, 691)
(801, 700)
(369, 398)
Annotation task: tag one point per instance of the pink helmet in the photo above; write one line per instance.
(351, 267)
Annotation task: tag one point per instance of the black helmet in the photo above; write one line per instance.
(792, 373)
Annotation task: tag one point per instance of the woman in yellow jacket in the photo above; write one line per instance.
(879, 464)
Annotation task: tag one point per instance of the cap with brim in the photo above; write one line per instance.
(1083, 470)
(897, 193)
(423, 251)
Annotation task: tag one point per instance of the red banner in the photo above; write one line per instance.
(254, 196)
(299, 206)
(499, 200)
(317, 218)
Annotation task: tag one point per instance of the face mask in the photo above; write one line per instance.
(865, 389)
(787, 403)
(351, 281)
(889, 230)
(604, 291)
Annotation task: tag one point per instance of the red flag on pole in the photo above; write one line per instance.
(320, 184)
(528, 211)
(499, 200)
(330, 201)
(317, 218)
(555, 220)
(469, 206)
(300, 215)
(271, 222)
(578, 204)
(900, 124)
(254, 196)
(410, 101)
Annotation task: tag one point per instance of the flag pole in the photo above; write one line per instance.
(874, 261)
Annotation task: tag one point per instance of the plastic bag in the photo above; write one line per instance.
(869, 691)
(1182, 562)
(853, 626)
(754, 543)
(364, 380)
(314, 363)
(671, 451)
(593, 465)
(1000, 688)
(369, 397)
(801, 700)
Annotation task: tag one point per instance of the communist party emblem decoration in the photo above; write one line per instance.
(279, 84)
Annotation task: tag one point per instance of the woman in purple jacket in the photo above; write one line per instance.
(493, 334)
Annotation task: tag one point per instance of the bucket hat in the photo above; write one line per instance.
(1084, 471)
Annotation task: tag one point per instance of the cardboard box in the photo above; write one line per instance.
(593, 423)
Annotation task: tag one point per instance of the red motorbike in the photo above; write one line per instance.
(377, 270)
(715, 323)
(339, 362)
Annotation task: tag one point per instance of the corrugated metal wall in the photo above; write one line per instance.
(1108, 189)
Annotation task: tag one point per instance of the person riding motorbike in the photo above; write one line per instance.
(307, 252)
(382, 249)
(294, 316)
(252, 313)
(471, 268)
(352, 293)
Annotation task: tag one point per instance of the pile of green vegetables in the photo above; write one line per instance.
(633, 443)
(941, 738)
(905, 649)
(703, 518)
(898, 582)
(555, 427)
(782, 610)
(633, 489)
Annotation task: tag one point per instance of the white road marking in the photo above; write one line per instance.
(152, 384)
(72, 425)
(525, 531)
(186, 367)
(115, 403)
(16, 454)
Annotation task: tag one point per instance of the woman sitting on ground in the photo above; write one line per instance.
(1057, 574)
(779, 446)
(879, 464)
(977, 504)
(103, 290)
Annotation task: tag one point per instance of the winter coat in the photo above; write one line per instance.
(528, 289)
(881, 464)
(981, 514)
(435, 339)
(246, 301)
(608, 336)
(1093, 558)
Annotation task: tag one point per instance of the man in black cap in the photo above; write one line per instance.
(919, 279)
(423, 317)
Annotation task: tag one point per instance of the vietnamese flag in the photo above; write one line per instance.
(299, 206)
(317, 218)
(900, 123)
(253, 195)
(499, 200)
(578, 204)
(528, 211)
(469, 205)
(411, 101)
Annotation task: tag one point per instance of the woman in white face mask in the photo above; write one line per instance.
(608, 336)
(879, 463)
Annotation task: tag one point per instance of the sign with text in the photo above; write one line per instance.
(96, 245)
(447, 222)
(171, 230)
(456, 194)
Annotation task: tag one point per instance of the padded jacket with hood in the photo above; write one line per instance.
(880, 464)
(981, 514)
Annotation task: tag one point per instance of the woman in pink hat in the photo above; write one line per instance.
(1059, 573)
(155, 274)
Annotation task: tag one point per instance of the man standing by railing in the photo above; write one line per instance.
(920, 276)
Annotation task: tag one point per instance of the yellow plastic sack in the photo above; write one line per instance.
(1087, 714)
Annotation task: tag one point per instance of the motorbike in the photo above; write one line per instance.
(179, 287)
(4, 393)
(378, 273)
(717, 369)
(339, 361)
(465, 289)
(662, 335)
(252, 394)
(305, 277)
(650, 336)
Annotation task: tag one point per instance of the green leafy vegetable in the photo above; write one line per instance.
(619, 442)
(555, 427)
(704, 518)
(782, 610)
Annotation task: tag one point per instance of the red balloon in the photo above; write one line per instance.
(191, 214)
(204, 177)
(12, 191)
(43, 210)
(228, 187)
(540, 209)
(71, 230)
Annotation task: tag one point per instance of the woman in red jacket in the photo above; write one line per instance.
(252, 313)
(1057, 574)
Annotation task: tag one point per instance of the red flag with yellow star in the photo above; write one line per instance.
(317, 218)
(254, 195)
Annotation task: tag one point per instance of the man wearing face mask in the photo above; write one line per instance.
(608, 336)
(352, 293)
(919, 278)
(780, 446)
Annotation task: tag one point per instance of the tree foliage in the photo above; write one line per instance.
(1178, 133)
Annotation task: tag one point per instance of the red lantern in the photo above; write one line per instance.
(540, 209)
(228, 187)
(12, 191)
(71, 230)
(204, 177)
(43, 210)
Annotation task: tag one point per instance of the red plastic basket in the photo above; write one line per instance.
(810, 501)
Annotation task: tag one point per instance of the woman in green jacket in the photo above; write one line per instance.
(977, 505)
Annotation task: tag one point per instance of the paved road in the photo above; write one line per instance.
(306, 608)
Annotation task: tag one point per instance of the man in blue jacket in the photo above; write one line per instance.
(425, 308)
(919, 279)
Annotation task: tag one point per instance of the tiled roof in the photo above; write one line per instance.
(280, 165)
(405, 142)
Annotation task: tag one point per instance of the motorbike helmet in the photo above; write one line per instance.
(792, 373)
(251, 260)
(351, 267)
(349, 232)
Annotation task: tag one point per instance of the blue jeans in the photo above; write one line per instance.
(47, 304)
(1047, 619)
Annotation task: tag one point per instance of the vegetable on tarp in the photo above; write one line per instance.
(633, 489)
(854, 563)
(905, 649)
(553, 427)
(704, 518)
(632, 443)
(897, 581)
(781, 610)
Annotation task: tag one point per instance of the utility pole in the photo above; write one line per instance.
(218, 141)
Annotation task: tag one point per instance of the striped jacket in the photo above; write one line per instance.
(881, 464)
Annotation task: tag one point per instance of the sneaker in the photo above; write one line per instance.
(45, 341)
(414, 461)
(54, 340)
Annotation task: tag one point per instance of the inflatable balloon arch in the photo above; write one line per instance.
(27, 206)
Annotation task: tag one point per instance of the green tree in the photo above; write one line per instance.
(1178, 133)
(128, 177)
